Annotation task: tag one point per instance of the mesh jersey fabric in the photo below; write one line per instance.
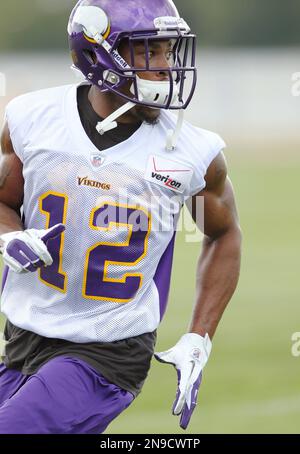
(125, 363)
(103, 285)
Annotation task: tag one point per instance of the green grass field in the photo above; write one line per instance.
(252, 382)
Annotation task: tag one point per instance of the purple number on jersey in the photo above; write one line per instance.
(97, 284)
(129, 253)
(54, 206)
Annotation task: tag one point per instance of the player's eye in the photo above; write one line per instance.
(141, 52)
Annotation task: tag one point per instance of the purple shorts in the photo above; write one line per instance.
(65, 396)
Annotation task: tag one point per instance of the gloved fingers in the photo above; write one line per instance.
(20, 252)
(185, 373)
(13, 264)
(30, 267)
(190, 403)
(192, 390)
(40, 239)
(39, 247)
(186, 416)
(25, 251)
(34, 266)
(177, 392)
(53, 232)
(195, 376)
(180, 400)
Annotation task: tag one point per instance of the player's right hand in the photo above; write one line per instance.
(25, 251)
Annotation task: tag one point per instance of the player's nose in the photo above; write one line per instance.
(163, 66)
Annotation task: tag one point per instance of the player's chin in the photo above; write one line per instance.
(146, 114)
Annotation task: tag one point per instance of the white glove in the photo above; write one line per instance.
(25, 251)
(188, 356)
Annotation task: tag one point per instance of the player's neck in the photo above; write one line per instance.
(104, 104)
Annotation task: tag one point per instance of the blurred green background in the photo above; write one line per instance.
(249, 51)
(251, 382)
(220, 23)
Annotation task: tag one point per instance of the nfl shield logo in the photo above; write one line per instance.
(97, 160)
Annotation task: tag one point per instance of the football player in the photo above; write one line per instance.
(93, 178)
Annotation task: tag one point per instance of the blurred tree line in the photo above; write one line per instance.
(41, 24)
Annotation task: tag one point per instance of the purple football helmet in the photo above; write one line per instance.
(96, 30)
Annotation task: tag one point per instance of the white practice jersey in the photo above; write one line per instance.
(111, 272)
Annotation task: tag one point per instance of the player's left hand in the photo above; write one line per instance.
(189, 357)
(25, 251)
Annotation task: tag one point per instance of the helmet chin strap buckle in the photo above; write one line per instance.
(103, 127)
(110, 123)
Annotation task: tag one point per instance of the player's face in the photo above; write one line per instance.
(160, 56)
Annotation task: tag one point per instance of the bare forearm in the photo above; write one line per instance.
(217, 277)
(10, 220)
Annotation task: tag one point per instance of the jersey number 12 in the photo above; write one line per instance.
(97, 284)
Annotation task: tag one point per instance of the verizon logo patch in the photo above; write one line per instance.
(169, 174)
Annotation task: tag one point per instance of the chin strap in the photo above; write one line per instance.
(173, 135)
(110, 122)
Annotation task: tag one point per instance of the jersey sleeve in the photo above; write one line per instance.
(14, 114)
(211, 145)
